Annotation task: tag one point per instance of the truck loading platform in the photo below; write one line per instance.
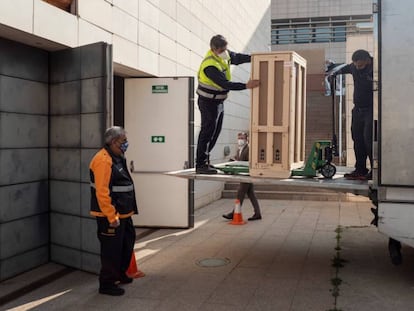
(337, 182)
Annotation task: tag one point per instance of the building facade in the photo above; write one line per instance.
(62, 68)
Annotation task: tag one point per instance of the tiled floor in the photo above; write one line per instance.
(282, 262)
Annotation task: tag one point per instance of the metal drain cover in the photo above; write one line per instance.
(213, 262)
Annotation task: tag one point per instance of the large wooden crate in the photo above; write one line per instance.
(277, 128)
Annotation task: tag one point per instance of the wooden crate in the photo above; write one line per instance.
(277, 124)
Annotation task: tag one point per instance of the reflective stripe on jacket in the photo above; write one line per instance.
(112, 188)
(205, 83)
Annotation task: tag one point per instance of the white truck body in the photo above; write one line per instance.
(393, 174)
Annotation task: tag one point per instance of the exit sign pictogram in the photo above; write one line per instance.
(158, 139)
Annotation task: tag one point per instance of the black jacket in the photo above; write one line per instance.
(363, 96)
(112, 188)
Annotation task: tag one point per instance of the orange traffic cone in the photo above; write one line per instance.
(237, 214)
(133, 271)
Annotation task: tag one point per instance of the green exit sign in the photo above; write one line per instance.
(160, 89)
(158, 139)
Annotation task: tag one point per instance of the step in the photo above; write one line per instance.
(264, 187)
(275, 192)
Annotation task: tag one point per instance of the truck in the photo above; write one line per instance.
(393, 174)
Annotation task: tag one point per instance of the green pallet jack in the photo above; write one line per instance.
(236, 168)
(323, 151)
(319, 161)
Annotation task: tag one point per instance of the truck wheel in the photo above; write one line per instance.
(394, 248)
(328, 170)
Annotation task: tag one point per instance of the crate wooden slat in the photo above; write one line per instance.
(277, 123)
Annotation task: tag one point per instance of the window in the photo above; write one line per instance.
(314, 30)
(322, 33)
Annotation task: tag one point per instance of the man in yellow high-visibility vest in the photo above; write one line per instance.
(214, 83)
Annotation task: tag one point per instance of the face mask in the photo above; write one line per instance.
(224, 55)
(124, 146)
(241, 142)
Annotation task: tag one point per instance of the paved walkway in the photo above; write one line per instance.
(283, 262)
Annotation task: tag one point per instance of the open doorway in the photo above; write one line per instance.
(119, 97)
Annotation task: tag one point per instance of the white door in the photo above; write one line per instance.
(159, 125)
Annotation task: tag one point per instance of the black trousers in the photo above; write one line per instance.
(117, 245)
(212, 112)
(246, 188)
(361, 130)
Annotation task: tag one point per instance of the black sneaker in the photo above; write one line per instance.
(228, 216)
(112, 290)
(369, 175)
(205, 169)
(125, 280)
(255, 217)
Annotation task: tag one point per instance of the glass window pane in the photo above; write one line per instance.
(322, 34)
(285, 36)
(302, 36)
(339, 34)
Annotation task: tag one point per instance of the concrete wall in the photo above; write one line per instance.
(314, 8)
(80, 88)
(53, 112)
(161, 38)
(24, 215)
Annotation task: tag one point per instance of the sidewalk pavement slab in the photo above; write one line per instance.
(282, 262)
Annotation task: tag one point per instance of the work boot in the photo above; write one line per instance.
(228, 216)
(205, 169)
(255, 217)
(125, 280)
(112, 290)
(355, 175)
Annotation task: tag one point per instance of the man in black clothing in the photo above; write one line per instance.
(113, 203)
(214, 83)
(361, 69)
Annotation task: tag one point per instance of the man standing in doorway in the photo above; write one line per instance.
(214, 83)
(361, 69)
(113, 203)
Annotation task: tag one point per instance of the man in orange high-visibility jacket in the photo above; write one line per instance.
(113, 203)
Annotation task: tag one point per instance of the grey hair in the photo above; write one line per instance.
(112, 133)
